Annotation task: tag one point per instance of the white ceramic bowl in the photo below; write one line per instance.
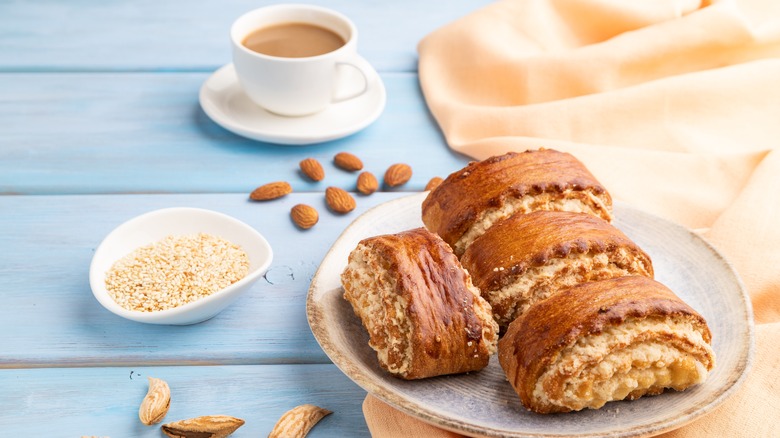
(156, 225)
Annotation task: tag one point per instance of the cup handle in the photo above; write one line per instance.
(365, 70)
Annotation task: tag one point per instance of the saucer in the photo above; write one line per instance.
(223, 100)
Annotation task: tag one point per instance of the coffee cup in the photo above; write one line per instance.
(291, 59)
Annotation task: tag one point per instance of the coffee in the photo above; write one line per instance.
(288, 58)
(293, 40)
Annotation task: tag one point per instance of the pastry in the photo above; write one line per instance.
(422, 313)
(607, 340)
(472, 199)
(529, 257)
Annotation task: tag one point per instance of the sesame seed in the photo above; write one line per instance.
(174, 271)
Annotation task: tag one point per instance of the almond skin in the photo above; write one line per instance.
(433, 183)
(305, 216)
(297, 422)
(156, 403)
(209, 426)
(367, 183)
(339, 200)
(270, 191)
(398, 174)
(347, 161)
(313, 169)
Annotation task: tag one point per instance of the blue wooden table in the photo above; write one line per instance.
(100, 122)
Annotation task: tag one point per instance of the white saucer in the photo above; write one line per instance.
(222, 98)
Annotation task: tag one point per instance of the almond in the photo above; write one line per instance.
(347, 161)
(305, 216)
(156, 403)
(398, 174)
(339, 200)
(298, 421)
(270, 191)
(209, 426)
(433, 183)
(313, 169)
(367, 183)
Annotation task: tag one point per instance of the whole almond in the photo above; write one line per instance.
(398, 174)
(156, 403)
(298, 421)
(270, 191)
(313, 169)
(305, 216)
(433, 183)
(367, 183)
(209, 426)
(347, 161)
(339, 200)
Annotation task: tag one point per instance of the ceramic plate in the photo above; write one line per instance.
(223, 100)
(484, 403)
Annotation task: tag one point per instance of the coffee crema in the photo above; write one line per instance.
(293, 40)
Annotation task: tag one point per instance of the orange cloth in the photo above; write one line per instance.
(673, 105)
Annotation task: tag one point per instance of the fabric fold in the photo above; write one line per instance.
(673, 105)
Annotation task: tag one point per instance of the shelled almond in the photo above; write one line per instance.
(433, 183)
(398, 174)
(348, 161)
(339, 200)
(305, 216)
(367, 183)
(312, 169)
(273, 190)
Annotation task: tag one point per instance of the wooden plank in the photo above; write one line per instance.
(149, 35)
(104, 401)
(83, 133)
(50, 318)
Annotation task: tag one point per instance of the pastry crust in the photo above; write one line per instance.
(472, 199)
(606, 340)
(530, 257)
(423, 315)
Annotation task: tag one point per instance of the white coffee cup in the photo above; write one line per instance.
(298, 86)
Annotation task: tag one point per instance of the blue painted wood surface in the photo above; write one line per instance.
(53, 319)
(146, 133)
(177, 35)
(103, 402)
(100, 122)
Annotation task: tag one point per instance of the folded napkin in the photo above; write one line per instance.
(673, 105)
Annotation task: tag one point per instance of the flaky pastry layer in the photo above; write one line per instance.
(639, 357)
(470, 200)
(422, 312)
(575, 201)
(607, 340)
(540, 282)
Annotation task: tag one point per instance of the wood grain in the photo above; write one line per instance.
(100, 122)
(81, 133)
(148, 35)
(104, 401)
(50, 317)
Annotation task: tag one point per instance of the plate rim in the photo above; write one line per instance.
(301, 139)
(321, 335)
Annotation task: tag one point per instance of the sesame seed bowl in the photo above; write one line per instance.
(177, 266)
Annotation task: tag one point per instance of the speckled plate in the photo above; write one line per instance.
(483, 403)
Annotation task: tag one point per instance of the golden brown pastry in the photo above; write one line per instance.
(615, 339)
(529, 257)
(472, 199)
(423, 315)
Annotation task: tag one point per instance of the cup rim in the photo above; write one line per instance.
(353, 33)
